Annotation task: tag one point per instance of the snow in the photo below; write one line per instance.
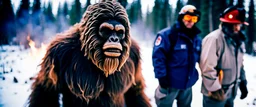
(17, 60)
(152, 83)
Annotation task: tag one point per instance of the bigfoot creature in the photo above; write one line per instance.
(94, 63)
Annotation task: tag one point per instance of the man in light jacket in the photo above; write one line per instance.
(221, 61)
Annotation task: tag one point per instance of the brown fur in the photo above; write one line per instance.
(94, 16)
(75, 66)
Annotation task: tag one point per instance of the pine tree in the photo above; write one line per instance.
(36, 20)
(251, 32)
(179, 5)
(165, 14)
(218, 6)
(48, 21)
(59, 18)
(240, 3)
(88, 2)
(49, 15)
(230, 2)
(148, 21)
(133, 12)
(170, 16)
(123, 3)
(23, 16)
(156, 13)
(3, 37)
(75, 13)
(7, 22)
(210, 16)
(59, 11)
(36, 12)
(62, 17)
(204, 19)
(255, 30)
(44, 8)
(195, 3)
(65, 11)
(149, 25)
(139, 12)
(160, 17)
(23, 13)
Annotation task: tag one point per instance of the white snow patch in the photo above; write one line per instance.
(17, 59)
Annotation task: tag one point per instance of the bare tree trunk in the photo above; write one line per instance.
(210, 16)
(250, 31)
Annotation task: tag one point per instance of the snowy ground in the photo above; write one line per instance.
(152, 83)
(16, 62)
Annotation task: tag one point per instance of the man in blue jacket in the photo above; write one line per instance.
(175, 53)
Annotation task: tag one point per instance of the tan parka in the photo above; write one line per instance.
(219, 53)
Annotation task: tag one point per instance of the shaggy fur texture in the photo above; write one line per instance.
(95, 15)
(75, 67)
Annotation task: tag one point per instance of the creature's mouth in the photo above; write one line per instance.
(112, 49)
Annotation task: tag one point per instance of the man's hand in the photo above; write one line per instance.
(243, 89)
(164, 82)
(218, 95)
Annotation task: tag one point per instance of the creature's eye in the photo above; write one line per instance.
(105, 32)
(120, 33)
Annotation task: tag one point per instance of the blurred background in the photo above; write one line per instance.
(42, 19)
(27, 26)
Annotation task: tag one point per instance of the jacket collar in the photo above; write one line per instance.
(229, 40)
(179, 26)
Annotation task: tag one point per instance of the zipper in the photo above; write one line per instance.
(190, 40)
(190, 51)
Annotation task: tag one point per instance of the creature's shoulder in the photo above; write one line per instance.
(63, 46)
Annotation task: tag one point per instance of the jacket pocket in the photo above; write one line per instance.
(179, 55)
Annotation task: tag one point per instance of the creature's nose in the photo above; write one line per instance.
(113, 39)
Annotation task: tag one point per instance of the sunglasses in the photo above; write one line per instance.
(192, 18)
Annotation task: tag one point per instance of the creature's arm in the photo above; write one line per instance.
(135, 96)
(44, 89)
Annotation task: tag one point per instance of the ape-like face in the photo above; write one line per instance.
(105, 36)
(112, 32)
(114, 48)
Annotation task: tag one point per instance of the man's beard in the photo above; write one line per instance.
(228, 30)
(235, 36)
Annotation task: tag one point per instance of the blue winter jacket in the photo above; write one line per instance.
(177, 62)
